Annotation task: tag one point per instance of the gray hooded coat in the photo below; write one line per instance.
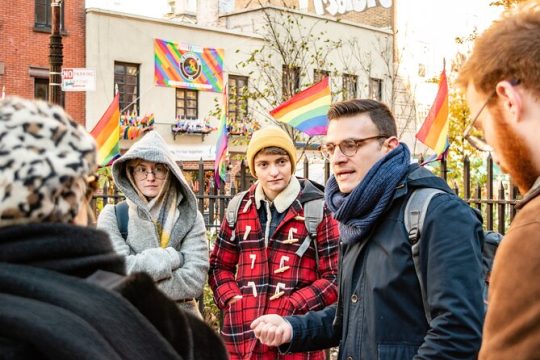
(179, 270)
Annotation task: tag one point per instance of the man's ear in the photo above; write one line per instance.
(392, 143)
(511, 99)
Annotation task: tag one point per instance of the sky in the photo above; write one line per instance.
(426, 34)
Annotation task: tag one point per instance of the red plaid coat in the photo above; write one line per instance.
(243, 265)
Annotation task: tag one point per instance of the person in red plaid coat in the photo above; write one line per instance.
(267, 263)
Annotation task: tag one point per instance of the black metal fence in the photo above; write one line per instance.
(494, 199)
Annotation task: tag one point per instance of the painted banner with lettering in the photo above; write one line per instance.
(340, 7)
(187, 66)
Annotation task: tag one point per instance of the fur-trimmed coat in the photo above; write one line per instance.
(261, 269)
(179, 270)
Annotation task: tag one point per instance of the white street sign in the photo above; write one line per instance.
(78, 79)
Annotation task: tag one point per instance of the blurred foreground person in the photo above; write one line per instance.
(502, 82)
(63, 293)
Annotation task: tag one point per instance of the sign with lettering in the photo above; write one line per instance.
(78, 79)
(335, 7)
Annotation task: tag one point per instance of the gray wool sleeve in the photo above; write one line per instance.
(188, 280)
(158, 262)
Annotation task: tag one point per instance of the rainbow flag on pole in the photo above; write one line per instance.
(434, 130)
(220, 165)
(107, 133)
(307, 110)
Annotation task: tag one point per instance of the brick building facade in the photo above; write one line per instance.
(24, 49)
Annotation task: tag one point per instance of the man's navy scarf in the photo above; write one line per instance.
(359, 210)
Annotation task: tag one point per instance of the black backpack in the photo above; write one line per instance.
(414, 216)
(122, 218)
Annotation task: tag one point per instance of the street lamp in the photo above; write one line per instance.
(55, 55)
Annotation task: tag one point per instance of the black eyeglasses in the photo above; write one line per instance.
(348, 147)
(478, 142)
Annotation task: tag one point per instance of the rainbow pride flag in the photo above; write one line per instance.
(107, 134)
(434, 130)
(188, 66)
(307, 110)
(220, 165)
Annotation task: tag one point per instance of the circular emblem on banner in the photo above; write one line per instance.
(190, 66)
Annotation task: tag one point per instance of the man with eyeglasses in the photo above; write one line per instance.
(502, 84)
(380, 313)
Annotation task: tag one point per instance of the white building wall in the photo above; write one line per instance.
(126, 38)
(113, 36)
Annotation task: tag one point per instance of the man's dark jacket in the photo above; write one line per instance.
(63, 296)
(381, 313)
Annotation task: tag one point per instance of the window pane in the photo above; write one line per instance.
(236, 102)
(119, 69)
(349, 86)
(133, 70)
(126, 77)
(187, 103)
(375, 89)
(41, 12)
(41, 88)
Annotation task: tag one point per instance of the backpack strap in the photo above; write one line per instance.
(231, 213)
(313, 215)
(122, 218)
(415, 214)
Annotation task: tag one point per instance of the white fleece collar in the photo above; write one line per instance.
(284, 199)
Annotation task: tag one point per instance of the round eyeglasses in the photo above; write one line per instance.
(159, 171)
(348, 147)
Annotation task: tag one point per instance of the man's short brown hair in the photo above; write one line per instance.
(379, 113)
(508, 50)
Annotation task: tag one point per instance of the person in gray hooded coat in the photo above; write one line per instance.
(166, 235)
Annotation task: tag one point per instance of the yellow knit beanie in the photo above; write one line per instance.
(271, 136)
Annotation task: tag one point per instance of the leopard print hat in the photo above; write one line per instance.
(45, 158)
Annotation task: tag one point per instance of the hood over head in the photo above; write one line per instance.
(152, 147)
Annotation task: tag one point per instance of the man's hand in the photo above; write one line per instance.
(272, 330)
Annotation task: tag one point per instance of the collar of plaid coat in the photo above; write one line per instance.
(284, 199)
